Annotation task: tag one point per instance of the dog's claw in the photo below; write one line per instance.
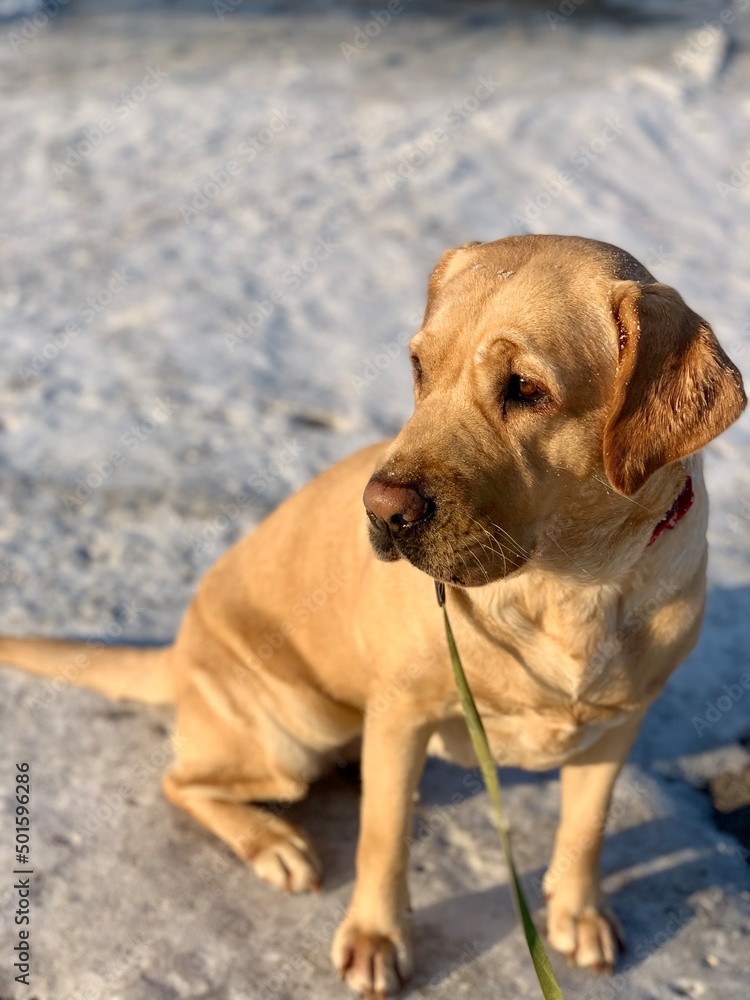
(587, 937)
(374, 965)
(619, 935)
(290, 864)
(346, 963)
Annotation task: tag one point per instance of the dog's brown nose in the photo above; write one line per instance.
(395, 505)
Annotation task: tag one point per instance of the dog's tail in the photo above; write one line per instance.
(120, 672)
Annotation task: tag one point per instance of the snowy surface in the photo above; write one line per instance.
(140, 903)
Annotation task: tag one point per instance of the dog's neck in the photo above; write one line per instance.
(613, 553)
(574, 606)
(676, 512)
(603, 540)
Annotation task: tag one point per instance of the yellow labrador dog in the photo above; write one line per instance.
(550, 477)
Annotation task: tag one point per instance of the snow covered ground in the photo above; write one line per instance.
(216, 230)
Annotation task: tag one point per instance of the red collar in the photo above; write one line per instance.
(676, 512)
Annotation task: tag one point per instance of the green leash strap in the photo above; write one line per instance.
(547, 981)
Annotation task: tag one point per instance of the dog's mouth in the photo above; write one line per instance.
(470, 559)
(382, 541)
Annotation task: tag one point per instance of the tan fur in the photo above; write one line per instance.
(300, 641)
(678, 381)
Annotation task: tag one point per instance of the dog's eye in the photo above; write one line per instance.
(523, 390)
(416, 368)
(527, 389)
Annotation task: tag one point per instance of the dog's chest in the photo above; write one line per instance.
(531, 740)
(550, 680)
(538, 741)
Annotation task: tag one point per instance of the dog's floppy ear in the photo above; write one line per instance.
(449, 265)
(675, 389)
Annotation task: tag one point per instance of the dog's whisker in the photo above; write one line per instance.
(569, 556)
(519, 549)
(515, 545)
(496, 548)
(466, 565)
(478, 561)
(473, 540)
(609, 489)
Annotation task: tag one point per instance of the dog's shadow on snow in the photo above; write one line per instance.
(652, 870)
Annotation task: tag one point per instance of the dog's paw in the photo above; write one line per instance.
(588, 934)
(290, 863)
(374, 964)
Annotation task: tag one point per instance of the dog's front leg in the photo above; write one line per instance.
(579, 922)
(371, 949)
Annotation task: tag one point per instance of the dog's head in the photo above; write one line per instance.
(544, 366)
